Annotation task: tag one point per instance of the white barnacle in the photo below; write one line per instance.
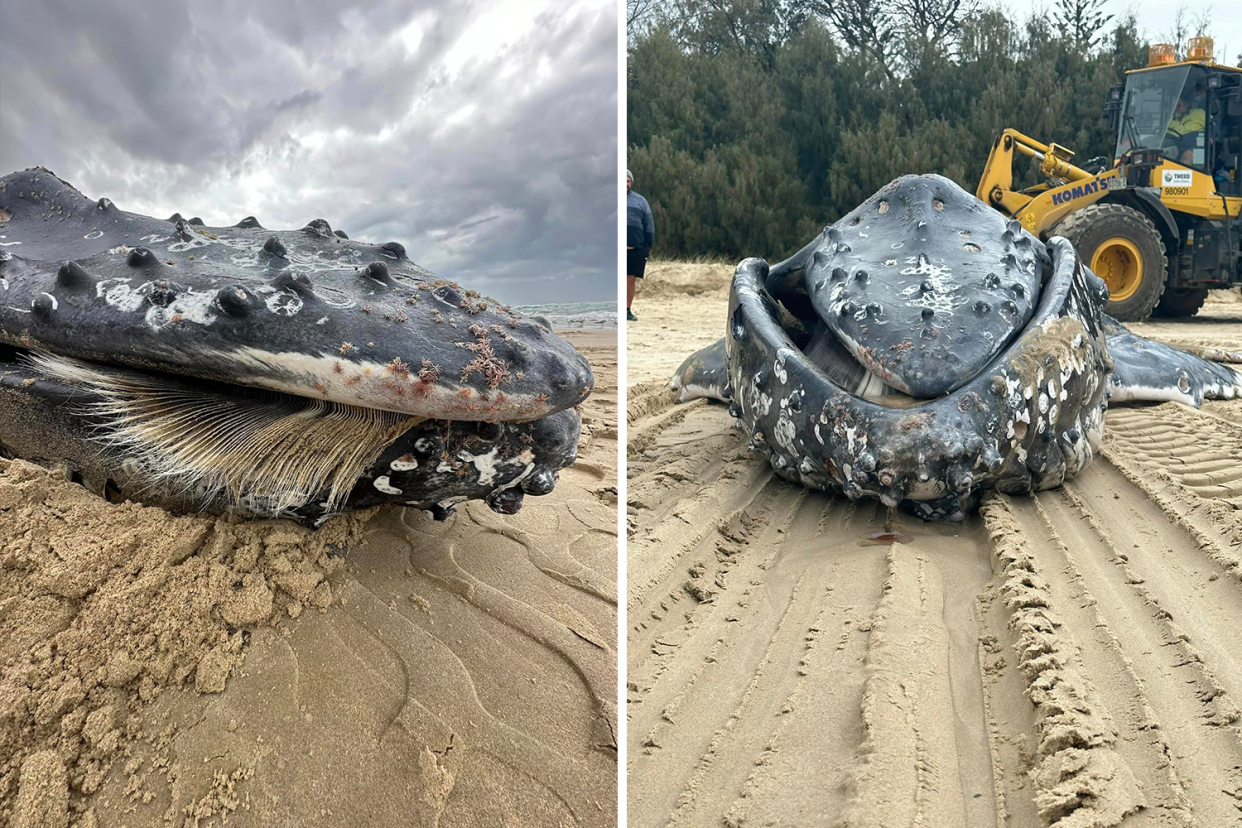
(785, 433)
(286, 303)
(779, 367)
(403, 465)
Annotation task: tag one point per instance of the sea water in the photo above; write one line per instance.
(574, 314)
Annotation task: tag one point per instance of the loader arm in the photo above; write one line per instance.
(996, 184)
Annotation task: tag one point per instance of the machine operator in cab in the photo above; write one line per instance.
(1187, 124)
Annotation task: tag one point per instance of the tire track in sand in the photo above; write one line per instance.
(1068, 659)
(1199, 449)
(1184, 461)
(774, 642)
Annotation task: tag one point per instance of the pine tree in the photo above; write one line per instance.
(1083, 21)
(752, 123)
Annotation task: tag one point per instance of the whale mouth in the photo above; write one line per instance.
(194, 445)
(1031, 418)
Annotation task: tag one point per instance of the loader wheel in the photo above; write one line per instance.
(1181, 302)
(1124, 248)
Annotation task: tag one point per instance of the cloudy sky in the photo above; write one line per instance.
(481, 135)
(1157, 18)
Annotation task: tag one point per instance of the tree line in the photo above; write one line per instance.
(752, 123)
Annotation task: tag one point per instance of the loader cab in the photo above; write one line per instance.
(1165, 109)
(1188, 112)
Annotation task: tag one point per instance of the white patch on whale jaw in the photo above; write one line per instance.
(283, 302)
(382, 483)
(484, 464)
(182, 246)
(187, 307)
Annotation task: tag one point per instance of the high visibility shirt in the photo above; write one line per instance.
(1183, 129)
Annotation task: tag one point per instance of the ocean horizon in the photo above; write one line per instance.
(574, 314)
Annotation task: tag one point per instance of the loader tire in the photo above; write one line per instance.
(1124, 248)
(1181, 302)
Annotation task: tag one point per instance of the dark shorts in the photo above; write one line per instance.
(635, 263)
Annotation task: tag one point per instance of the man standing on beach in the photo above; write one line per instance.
(639, 239)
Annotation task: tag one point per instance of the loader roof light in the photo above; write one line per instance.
(1161, 54)
(1199, 48)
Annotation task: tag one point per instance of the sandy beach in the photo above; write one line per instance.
(1064, 659)
(386, 670)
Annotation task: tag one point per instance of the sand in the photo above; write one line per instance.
(1065, 659)
(386, 670)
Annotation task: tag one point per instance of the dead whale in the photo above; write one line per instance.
(924, 348)
(269, 373)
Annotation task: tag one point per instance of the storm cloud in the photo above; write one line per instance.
(482, 136)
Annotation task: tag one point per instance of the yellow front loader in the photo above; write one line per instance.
(1160, 222)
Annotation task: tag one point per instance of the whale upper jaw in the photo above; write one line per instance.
(304, 312)
(924, 284)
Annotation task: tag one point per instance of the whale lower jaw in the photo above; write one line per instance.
(199, 446)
